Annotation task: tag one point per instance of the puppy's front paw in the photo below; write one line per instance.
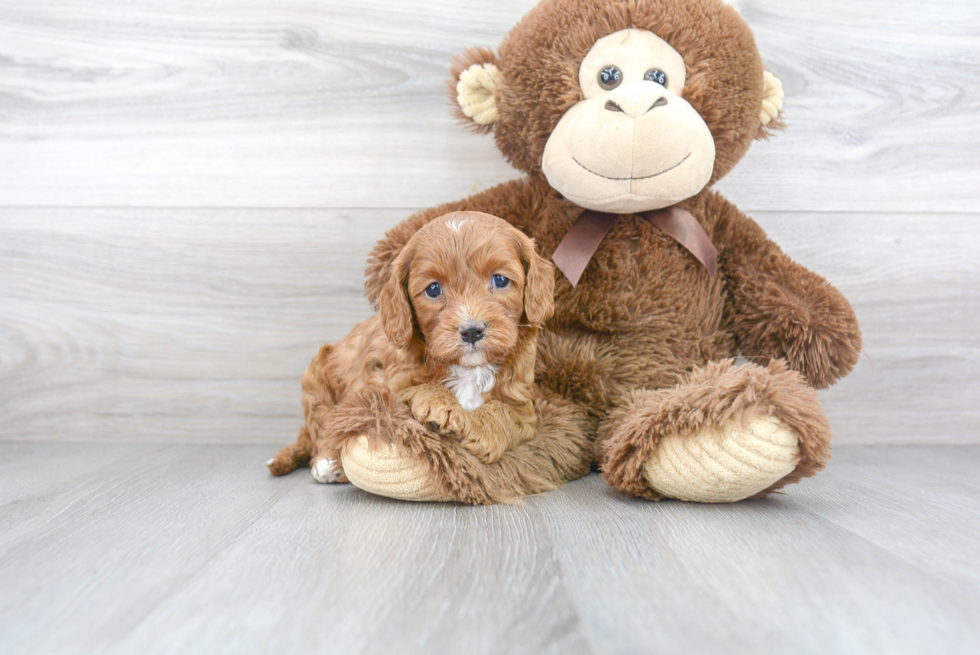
(449, 420)
(326, 471)
(437, 408)
(442, 418)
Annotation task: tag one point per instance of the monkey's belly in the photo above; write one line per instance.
(597, 370)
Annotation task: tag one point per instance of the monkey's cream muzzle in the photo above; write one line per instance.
(634, 149)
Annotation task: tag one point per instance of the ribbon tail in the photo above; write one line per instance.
(686, 230)
(580, 242)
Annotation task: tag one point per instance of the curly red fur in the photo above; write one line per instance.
(414, 344)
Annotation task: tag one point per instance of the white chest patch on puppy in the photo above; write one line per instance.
(469, 383)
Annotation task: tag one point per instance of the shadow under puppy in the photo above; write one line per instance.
(455, 340)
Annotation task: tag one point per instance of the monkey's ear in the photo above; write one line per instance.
(476, 74)
(393, 303)
(772, 105)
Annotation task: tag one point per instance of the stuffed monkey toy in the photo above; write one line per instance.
(622, 114)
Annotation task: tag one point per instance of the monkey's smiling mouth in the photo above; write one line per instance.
(631, 179)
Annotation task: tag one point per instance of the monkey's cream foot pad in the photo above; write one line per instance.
(723, 465)
(388, 470)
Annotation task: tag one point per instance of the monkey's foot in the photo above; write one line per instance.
(388, 470)
(724, 434)
(723, 465)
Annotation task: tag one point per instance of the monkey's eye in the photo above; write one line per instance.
(434, 290)
(500, 282)
(610, 77)
(656, 75)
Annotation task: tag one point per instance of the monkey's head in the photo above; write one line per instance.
(623, 105)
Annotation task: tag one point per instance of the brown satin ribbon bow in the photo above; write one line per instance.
(582, 240)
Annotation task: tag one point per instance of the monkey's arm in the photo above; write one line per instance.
(778, 308)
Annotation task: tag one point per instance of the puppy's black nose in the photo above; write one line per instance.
(473, 333)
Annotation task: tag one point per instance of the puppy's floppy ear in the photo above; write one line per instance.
(539, 283)
(393, 301)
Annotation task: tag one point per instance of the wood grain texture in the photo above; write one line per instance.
(123, 548)
(914, 281)
(151, 323)
(196, 325)
(191, 325)
(814, 571)
(311, 103)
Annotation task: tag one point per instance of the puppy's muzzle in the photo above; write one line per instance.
(473, 332)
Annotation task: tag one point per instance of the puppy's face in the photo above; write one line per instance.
(466, 283)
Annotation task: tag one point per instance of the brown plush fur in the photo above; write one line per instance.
(411, 349)
(637, 344)
(542, 54)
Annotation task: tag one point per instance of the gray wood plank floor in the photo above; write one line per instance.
(178, 548)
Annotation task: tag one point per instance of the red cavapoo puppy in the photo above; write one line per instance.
(455, 339)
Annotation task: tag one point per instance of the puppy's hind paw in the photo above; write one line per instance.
(325, 471)
(280, 466)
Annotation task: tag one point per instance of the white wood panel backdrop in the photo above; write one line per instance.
(188, 191)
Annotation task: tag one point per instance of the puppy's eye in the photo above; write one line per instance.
(500, 282)
(656, 75)
(434, 290)
(610, 77)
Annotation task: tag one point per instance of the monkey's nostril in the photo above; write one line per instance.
(659, 103)
(612, 106)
